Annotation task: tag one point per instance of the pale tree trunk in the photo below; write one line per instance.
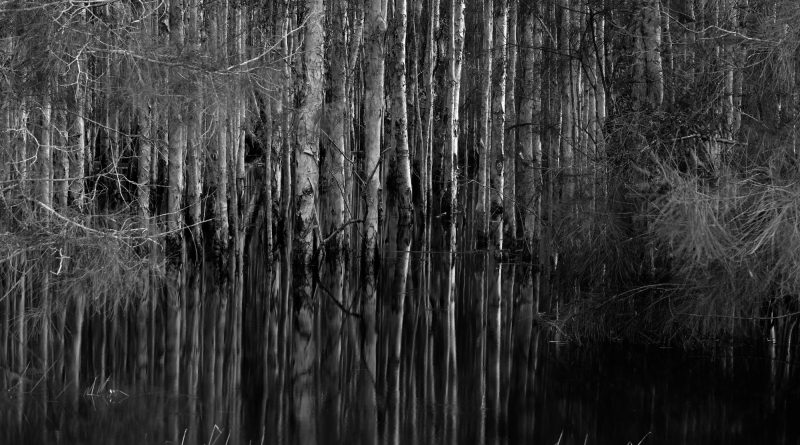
(456, 52)
(353, 57)
(194, 148)
(79, 122)
(220, 175)
(21, 152)
(510, 183)
(374, 54)
(177, 127)
(497, 164)
(401, 163)
(306, 186)
(143, 198)
(145, 158)
(530, 141)
(484, 128)
(217, 35)
(430, 65)
(45, 154)
(60, 142)
(566, 153)
(600, 105)
(244, 205)
(333, 192)
(740, 61)
(6, 150)
(174, 242)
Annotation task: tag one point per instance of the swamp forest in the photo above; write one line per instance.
(394, 221)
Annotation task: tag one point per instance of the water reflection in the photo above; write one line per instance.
(454, 358)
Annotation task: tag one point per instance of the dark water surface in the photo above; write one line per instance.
(475, 371)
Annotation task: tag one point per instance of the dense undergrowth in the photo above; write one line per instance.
(108, 259)
(702, 261)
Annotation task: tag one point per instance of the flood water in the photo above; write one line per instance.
(480, 370)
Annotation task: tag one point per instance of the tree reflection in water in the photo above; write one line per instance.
(477, 368)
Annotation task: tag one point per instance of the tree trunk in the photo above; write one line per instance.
(430, 64)
(306, 186)
(530, 141)
(484, 126)
(497, 164)
(60, 142)
(400, 164)
(566, 153)
(333, 193)
(46, 199)
(374, 54)
(509, 170)
(648, 75)
(79, 122)
(195, 152)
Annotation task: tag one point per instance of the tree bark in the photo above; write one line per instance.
(566, 153)
(400, 164)
(484, 126)
(374, 54)
(497, 165)
(530, 141)
(510, 153)
(306, 186)
(430, 93)
(648, 74)
(195, 152)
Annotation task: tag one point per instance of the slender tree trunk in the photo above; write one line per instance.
(174, 249)
(6, 149)
(401, 162)
(333, 193)
(45, 154)
(600, 106)
(566, 153)
(21, 325)
(220, 174)
(374, 54)
(306, 184)
(177, 129)
(430, 92)
(195, 152)
(484, 126)
(510, 183)
(79, 122)
(530, 141)
(333, 188)
(61, 155)
(648, 74)
(497, 167)
(5, 316)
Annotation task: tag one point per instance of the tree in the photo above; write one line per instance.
(306, 186)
